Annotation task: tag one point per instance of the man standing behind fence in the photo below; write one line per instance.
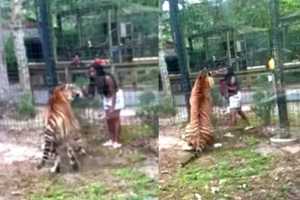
(113, 101)
(234, 96)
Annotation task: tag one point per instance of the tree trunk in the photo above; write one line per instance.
(18, 37)
(4, 84)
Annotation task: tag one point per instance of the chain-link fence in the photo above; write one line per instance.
(121, 32)
(258, 100)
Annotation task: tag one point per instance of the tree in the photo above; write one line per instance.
(18, 37)
(4, 84)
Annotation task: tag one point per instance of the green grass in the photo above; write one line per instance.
(231, 171)
(142, 186)
(60, 191)
(135, 131)
(124, 184)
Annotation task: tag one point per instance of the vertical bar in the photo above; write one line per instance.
(279, 71)
(180, 50)
(47, 45)
(110, 41)
(118, 34)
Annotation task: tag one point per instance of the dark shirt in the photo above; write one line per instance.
(232, 85)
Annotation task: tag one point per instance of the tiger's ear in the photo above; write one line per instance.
(68, 86)
(204, 71)
(63, 86)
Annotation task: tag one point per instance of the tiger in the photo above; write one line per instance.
(60, 127)
(198, 132)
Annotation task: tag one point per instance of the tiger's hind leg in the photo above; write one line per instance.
(48, 148)
(72, 158)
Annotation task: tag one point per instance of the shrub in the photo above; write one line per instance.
(264, 101)
(150, 108)
(25, 106)
(10, 56)
(217, 97)
(81, 81)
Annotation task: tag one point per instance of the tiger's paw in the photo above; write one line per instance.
(75, 167)
(55, 170)
(40, 165)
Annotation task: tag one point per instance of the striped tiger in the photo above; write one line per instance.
(60, 126)
(198, 132)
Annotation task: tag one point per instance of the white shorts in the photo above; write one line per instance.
(120, 103)
(235, 101)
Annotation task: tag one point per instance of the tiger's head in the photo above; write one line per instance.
(60, 102)
(205, 79)
(67, 92)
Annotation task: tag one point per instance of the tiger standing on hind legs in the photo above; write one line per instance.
(198, 132)
(60, 125)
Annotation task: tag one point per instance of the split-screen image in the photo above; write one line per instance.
(149, 100)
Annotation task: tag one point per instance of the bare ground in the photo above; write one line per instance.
(20, 152)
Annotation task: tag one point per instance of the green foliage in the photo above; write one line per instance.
(166, 107)
(25, 106)
(134, 132)
(289, 6)
(81, 81)
(149, 110)
(10, 55)
(292, 77)
(92, 191)
(85, 103)
(217, 97)
(263, 99)
(151, 106)
(143, 187)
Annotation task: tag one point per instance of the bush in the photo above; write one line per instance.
(151, 108)
(81, 81)
(10, 56)
(217, 97)
(264, 101)
(148, 110)
(25, 106)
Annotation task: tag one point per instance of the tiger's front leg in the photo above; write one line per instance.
(72, 158)
(56, 166)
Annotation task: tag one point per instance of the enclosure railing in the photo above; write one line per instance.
(129, 75)
(249, 88)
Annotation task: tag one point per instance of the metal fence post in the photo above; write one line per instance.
(279, 71)
(180, 50)
(46, 40)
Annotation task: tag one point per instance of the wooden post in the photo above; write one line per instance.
(237, 61)
(4, 83)
(112, 67)
(67, 74)
(117, 17)
(205, 38)
(79, 27)
(228, 48)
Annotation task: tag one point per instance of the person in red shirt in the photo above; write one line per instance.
(233, 95)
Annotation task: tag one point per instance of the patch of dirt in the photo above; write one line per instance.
(20, 152)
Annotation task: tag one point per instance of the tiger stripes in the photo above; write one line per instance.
(59, 122)
(198, 132)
